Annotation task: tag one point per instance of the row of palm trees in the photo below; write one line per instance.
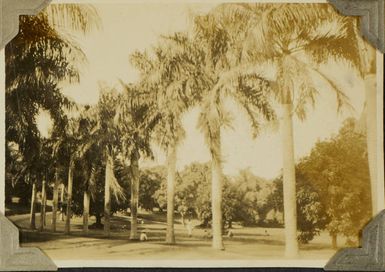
(227, 55)
(36, 60)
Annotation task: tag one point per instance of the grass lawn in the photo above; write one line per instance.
(248, 243)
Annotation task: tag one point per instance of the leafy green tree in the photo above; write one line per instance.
(150, 183)
(16, 175)
(193, 191)
(312, 218)
(193, 196)
(159, 195)
(247, 188)
(338, 169)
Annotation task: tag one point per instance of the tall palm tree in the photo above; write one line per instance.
(105, 135)
(217, 54)
(92, 159)
(61, 142)
(294, 39)
(70, 144)
(88, 160)
(369, 115)
(169, 77)
(136, 118)
(88, 138)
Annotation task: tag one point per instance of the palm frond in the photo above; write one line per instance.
(116, 188)
(342, 98)
(337, 42)
(92, 183)
(77, 17)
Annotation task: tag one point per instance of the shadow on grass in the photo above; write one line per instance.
(35, 236)
(251, 234)
(315, 247)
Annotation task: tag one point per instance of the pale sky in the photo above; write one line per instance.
(130, 27)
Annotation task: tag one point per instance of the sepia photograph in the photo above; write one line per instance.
(192, 131)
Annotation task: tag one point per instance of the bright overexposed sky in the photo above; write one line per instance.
(136, 26)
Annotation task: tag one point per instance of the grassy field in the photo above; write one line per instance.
(248, 243)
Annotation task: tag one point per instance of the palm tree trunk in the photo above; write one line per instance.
(86, 211)
(62, 201)
(171, 170)
(42, 206)
(368, 61)
(33, 207)
(67, 228)
(134, 195)
(371, 134)
(216, 190)
(289, 191)
(107, 195)
(55, 201)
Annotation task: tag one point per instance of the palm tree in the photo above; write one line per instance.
(42, 56)
(369, 76)
(217, 54)
(88, 137)
(61, 142)
(294, 39)
(71, 142)
(136, 118)
(369, 114)
(168, 75)
(55, 200)
(89, 160)
(106, 137)
(69, 145)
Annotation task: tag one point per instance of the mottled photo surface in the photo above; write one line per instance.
(191, 131)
